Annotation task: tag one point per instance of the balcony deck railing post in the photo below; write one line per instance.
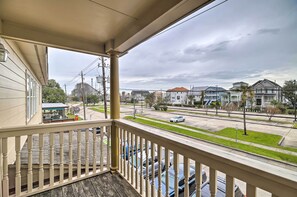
(114, 108)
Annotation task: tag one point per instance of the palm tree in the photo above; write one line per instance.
(247, 95)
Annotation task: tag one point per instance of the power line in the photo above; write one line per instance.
(186, 20)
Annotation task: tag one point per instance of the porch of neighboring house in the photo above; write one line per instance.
(64, 158)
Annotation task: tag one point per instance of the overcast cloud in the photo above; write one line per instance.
(240, 40)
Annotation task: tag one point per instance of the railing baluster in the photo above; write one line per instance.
(137, 164)
(78, 153)
(229, 186)
(108, 130)
(5, 181)
(94, 151)
(166, 169)
(251, 190)
(101, 148)
(61, 140)
(51, 144)
(147, 167)
(153, 169)
(125, 152)
(70, 172)
(213, 182)
(176, 173)
(186, 175)
(141, 165)
(41, 171)
(198, 178)
(30, 172)
(160, 171)
(132, 159)
(1, 167)
(128, 158)
(18, 166)
(121, 151)
(87, 151)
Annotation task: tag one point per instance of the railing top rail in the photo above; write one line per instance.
(260, 174)
(52, 127)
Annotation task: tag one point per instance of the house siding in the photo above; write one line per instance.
(13, 93)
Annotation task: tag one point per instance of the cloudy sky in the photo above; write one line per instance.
(240, 40)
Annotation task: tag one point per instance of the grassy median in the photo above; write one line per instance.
(228, 143)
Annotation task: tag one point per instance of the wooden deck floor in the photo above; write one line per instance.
(104, 185)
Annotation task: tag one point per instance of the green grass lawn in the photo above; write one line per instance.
(295, 126)
(100, 109)
(228, 143)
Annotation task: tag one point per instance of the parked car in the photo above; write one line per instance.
(97, 130)
(177, 119)
(221, 191)
(181, 178)
(151, 162)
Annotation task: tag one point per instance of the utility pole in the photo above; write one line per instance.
(216, 99)
(83, 94)
(104, 87)
(65, 92)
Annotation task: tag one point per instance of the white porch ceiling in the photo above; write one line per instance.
(90, 26)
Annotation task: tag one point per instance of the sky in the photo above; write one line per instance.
(239, 40)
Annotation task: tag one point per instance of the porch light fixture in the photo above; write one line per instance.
(3, 53)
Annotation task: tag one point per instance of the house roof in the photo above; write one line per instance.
(139, 92)
(53, 105)
(266, 80)
(215, 88)
(178, 89)
(91, 26)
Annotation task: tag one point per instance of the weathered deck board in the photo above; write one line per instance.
(104, 185)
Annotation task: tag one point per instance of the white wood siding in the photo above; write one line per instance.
(13, 93)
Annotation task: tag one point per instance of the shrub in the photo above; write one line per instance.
(157, 107)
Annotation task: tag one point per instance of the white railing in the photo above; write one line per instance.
(53, 155)
(142, 142)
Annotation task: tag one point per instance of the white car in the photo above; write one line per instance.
(177, 119)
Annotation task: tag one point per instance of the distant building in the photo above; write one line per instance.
(139, 95)
(125, 97)
(197, 92)
(178, 95)
(266, 91)
(89, 90)
(233, 95)
(159, 95)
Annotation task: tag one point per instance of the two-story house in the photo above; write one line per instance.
(177, 95)
(139, 95)
(234, 93)
(213, 94)
(266, 91)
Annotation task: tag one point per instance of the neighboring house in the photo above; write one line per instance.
(197, 92)
(213, 93)
(89, 90)
(139, 95)
(266, 91)
(178, 95)
(21, 80)
(233, 95)
(125, 97)
(159, 95)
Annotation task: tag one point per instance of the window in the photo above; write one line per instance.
(31, 97)
(178, 97)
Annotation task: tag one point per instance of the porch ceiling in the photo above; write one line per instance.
(91, 26)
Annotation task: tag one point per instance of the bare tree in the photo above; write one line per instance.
(230, 107)
(271, 111)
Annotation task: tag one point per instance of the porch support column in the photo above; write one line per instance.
(114, 108)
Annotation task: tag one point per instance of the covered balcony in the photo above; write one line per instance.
(112, 157)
